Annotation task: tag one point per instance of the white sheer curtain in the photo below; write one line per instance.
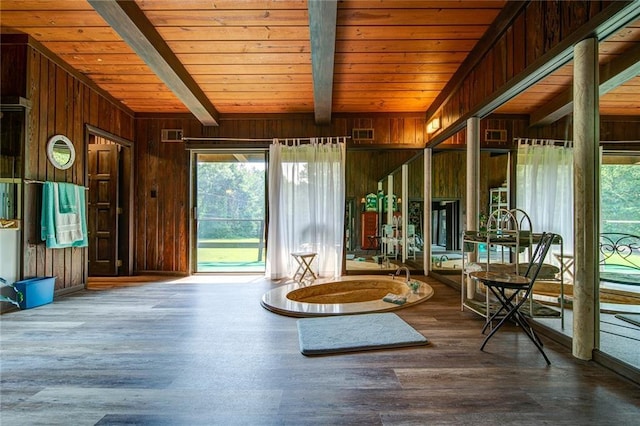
(545, 187)
(306, 205)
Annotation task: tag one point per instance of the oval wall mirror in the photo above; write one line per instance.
(61, 152)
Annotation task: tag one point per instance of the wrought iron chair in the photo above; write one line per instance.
(513, 290)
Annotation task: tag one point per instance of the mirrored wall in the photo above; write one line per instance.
(375, 214)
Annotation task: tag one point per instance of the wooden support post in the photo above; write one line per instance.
(586, 169)
(473, 187)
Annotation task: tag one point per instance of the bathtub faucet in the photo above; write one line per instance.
(406, 270)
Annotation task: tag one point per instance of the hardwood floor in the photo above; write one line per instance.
(203, 351)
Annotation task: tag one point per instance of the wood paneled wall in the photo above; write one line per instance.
(366, 168)
(389, 129)
(538, 29)
(416, 178)
(162, 221)
(163, 169)
(620, 128)
(60, 104)
(14, 77)
(161, 198)
(450, 174)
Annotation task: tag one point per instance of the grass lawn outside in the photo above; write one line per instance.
(616, 261)
(229, 258)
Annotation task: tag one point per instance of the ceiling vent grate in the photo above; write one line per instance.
(495, 135)
(362, 134)
(171, 135)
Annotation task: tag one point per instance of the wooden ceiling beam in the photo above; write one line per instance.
(322, 29)
(612, 74)
(130, 22)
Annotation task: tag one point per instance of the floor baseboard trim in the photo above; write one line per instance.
(622, 368)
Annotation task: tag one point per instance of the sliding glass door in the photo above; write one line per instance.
(228, 211)
(619, 293)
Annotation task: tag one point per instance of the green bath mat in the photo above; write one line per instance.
(350, 333)
(630, 318)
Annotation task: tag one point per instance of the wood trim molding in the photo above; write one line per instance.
(108, 135)
(15, 102)
(322, 28)
(130, 22)
(126, 246)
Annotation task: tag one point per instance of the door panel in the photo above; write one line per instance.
(103, 209)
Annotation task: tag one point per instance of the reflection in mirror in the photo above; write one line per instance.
(367, 183)
(448, 185)
(350, 223)
(415, 212)
(61, 152)
(448, 205)
(12, 129)
(392, 216)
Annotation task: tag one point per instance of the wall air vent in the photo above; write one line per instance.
(495, 135)
(362, 134)
(171, 135)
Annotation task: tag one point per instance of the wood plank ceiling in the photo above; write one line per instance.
(255, 56)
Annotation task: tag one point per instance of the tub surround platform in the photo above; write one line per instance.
(369, 265)
(343, 296)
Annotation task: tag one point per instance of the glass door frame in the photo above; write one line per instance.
(610, 340)
(193, 209)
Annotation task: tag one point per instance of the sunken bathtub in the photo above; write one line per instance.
(344, 296)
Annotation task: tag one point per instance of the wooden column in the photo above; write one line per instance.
(428, 194)
(390, 199)
(586, 168)
(473, 186)
(405, 210)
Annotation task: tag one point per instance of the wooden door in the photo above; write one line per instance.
(103, 210)
(369, 222)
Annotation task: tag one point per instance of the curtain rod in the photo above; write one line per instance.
(220, 139)
(535, 141)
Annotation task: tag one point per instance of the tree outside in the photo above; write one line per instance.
(620, 198)
(230, 200)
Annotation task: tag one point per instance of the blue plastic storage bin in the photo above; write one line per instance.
(36, 291)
